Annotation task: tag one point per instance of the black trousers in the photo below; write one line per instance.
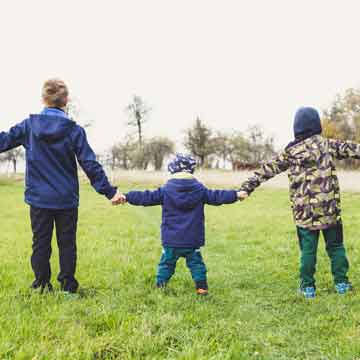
(42, 223)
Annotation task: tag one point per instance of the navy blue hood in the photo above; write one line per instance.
(307, 122)
(51, 125)
(185, 193)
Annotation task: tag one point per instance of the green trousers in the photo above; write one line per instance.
(308, 241)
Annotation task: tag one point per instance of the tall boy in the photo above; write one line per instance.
(315, 195)
(182, 230)
(52, 144)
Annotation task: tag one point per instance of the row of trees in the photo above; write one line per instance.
(217, 149)
(212, 149)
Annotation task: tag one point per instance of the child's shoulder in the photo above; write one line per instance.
(313, 144)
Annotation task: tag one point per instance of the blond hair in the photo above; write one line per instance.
(55, 93)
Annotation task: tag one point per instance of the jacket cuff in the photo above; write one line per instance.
(129, 197)
(235, 196)
(246, 190)
(111, 193)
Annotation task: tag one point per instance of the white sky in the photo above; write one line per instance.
(233, 63)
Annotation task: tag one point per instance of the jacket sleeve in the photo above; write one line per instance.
(266, 172)
(219, 197)
(145, 198)
(14, 138)
(344, 149)
(93, 170)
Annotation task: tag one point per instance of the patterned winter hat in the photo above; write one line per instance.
(182, 162)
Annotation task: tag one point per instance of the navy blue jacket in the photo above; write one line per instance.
(182, 203)
(52, 144)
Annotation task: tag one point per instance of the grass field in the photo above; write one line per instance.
(253, 311)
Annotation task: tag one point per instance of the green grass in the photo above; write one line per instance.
(253, 310)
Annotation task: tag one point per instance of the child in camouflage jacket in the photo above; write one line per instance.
(314, 194)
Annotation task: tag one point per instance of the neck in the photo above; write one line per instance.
(182, 175)
(57, 108)
(306, 135)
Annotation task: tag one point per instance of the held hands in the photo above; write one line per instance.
(242, 195)
(118, 199)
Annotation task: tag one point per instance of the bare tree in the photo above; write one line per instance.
(138, 112)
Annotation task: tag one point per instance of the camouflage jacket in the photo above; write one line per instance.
(314, 186)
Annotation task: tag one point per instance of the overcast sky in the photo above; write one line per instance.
(233, 63)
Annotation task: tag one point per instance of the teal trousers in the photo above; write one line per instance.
(194, 262)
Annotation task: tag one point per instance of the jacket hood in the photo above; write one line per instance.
(185, 193)
(307, 123)
(51, 125)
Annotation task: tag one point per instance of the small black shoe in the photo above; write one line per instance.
(42, 287)
(70, 286)
(161, 285)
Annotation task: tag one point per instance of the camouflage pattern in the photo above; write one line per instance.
(314, 185)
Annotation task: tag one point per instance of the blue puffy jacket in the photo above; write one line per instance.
(182, 200)
(52, 144)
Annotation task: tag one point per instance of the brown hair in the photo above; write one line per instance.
(55, 93)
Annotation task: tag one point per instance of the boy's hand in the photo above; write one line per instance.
(242, 195)
(118, 199)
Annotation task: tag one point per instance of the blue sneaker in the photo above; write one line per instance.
(308, 292)
(71, 296)
(343, 288)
